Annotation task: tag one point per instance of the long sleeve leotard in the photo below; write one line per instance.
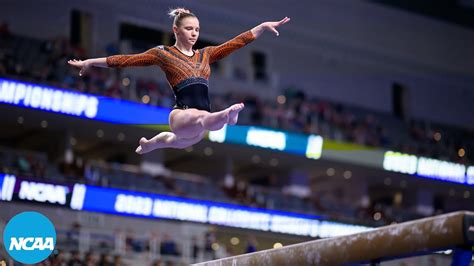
(188, 76)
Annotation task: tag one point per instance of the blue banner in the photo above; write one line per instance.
(45, 98)
(123, 202)
(7, 186)
(428, 168)
(82, 197)
(309, 146)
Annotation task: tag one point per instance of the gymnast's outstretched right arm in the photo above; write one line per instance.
(148, 58)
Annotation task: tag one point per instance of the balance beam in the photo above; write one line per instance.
(418, 237)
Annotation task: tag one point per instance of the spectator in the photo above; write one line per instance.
(168, 246)
(90, 259)
(251, 244)
(105, 260)
(118, 261)
(75, 259)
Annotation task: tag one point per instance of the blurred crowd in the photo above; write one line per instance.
(262, 193)
(88, 246)
(45, 62)
(58, 258)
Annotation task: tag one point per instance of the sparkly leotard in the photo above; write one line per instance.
(188, 76)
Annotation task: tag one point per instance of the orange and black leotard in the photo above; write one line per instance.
(187, 75)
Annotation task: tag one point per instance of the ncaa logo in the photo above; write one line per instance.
(29, 237)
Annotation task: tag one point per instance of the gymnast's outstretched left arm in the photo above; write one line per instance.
(218, 52)
(270, 26)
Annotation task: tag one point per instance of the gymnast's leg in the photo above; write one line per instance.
(189, 127)
(167, 140)
(186, 122)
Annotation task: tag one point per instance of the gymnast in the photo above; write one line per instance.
(187, 72)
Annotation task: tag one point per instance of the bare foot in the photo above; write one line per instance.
(144, 147)
(234, 113)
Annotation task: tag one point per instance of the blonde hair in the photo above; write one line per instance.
(179, 14)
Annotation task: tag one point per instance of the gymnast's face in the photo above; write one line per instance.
(188, 32)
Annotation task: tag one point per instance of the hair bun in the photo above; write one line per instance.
(178, 11)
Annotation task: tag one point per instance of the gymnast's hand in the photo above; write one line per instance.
(270, 26)
(83, 65)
